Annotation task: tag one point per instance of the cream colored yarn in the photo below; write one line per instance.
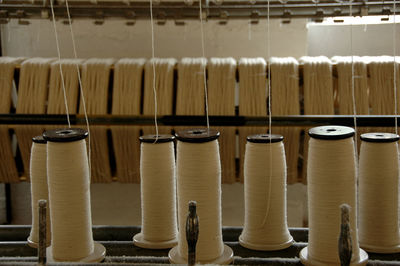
(378, 197)
(164, 68)
(38, 173)
(221, 86)
(199, 179)
(56, 95)
(95, 83)
(190, 91)
(318, 86)
(7, 67)
(331, 183)
(221, 101)
(127, 86)
(285, 100)
(344, 89)
(252, 84)
(157, 169)
(127, 93)
(33, 84)
(69, 194)
(381, 85)
(265, 223)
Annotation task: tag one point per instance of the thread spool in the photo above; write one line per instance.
(331, 176)
(265, 224)
(69, 194)
(38, 174)
(157, 171)
(199, 179)
(378, 188)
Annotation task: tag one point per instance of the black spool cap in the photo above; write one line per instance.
(265, 138)
(39, 139)
(331, 132)
(379, 137)
(152, 138)
(197, 135)
(65, 134)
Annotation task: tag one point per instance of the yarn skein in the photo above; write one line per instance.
(157, 171)
(331, 172)
(199, 179)
(259, 233)
(38, 173)
(378, 193)
(69, 196)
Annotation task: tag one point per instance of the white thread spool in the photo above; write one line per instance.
(69, 196)
(331, 179)
(265, 224)
(199, 179)
(378, 193)
(158, 193)
(38, 174)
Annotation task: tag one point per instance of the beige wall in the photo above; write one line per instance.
(115, 39)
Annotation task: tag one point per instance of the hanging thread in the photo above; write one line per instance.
(39, 191)
(273, 233)
(159, 225)
(59, 63)
(164, 86)
(331, 178)
(199, 179)
(32, 99)
(82, 94)
(69, 194)
(127, 93)
(95, 81)
(378, 193)
(285, 100)
(252, 95)
(222, 85)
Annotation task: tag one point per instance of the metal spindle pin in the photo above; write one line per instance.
(345, 244)
(192, 232)
(42, 232)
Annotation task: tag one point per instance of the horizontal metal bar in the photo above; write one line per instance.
(290, 120)
(184, 11)
(125, 233)
(14, 248)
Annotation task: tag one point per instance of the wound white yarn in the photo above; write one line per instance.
(199, 179)
(331, 183)
(259, 233)
(38, 174)
(69, 194)
(159, 222)
(378, 197)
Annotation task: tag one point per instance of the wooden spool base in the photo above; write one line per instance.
(139, 241)
(265, 247)
(224, 259)
(98, 255)
(306, 260)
